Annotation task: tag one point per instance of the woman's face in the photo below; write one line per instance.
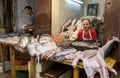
(86, 24)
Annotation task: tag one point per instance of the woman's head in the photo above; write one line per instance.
(86, 24)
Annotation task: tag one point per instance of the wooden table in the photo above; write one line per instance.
(2, 58)
(12, 61)
(111, 62)
(12, 48)
(32, 61)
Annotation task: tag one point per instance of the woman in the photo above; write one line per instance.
(86, 33)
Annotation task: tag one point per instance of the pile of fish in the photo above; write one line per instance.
(86, 44)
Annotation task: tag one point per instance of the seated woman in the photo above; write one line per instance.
(86, 33)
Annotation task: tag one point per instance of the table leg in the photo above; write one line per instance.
(32, 67)
(12, 62)
(2, 58)
(76, 72)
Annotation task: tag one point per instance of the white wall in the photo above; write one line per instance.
(62, 10)
(101, 6)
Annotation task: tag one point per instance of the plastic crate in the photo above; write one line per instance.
(21, 67)
(22, 74)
